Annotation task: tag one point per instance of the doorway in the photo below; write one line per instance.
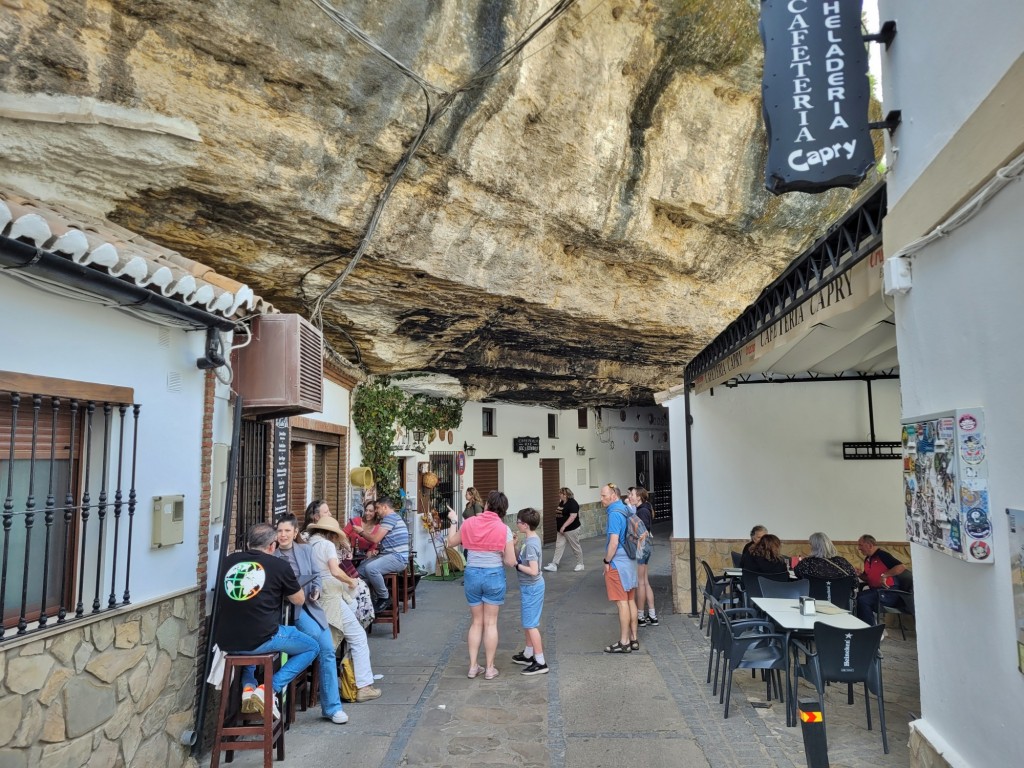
(661, 493)
(550, 483)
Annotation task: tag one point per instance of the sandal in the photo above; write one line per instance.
(618, 648)
(634, 644)
(475, 670)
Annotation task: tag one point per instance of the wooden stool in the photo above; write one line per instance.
(391, 615)
(304, 690)
(232, 724)
(409, 584)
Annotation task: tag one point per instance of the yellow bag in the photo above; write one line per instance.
(347, 680)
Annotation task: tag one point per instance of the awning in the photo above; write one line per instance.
(826, 314)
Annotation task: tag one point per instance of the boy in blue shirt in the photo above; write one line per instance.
(531, 589)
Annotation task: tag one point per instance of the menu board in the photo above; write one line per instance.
(280, 467)
(945, 484)
(1015, 525)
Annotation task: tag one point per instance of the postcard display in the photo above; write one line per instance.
(945, 484)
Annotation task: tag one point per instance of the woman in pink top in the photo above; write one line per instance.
(489, 544)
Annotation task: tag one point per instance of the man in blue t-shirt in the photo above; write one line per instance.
(392, 539)
(619, 571)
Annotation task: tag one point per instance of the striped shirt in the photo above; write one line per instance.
(396, 538)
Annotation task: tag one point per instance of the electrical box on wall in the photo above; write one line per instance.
(168, 521)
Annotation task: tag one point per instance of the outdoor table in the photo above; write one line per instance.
(785, 613)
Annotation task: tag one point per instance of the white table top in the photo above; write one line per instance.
(785, 611)
(735, 573)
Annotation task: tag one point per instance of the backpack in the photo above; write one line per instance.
(637, 541)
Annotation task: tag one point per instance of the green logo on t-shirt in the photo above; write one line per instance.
(244, 580)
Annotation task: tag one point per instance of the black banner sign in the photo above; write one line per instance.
(526, 445)
(816, 93)
(280, 467)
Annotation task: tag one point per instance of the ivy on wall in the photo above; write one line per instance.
(378, 407)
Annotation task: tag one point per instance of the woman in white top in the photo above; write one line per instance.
(323, 537)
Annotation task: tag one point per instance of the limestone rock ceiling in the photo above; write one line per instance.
(570, 233)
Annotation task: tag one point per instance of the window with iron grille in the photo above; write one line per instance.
(67, 479)
(448, 490)
(487, 427)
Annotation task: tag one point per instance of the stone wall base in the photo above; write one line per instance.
(113, 691)
(925, 754)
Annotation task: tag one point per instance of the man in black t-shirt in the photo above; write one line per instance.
(255, 586)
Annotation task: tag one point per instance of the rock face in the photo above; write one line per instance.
(570, 232)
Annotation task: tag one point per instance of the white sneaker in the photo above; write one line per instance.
(550, 567)
(578, 567)
(340, 717)
(256, 703)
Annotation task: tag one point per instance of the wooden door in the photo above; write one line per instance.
(550, 483)
(485, 478)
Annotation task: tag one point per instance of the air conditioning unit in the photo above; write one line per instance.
(281, 371)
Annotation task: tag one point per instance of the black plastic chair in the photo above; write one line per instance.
(750, 644)
(737, 558)
(790, 589)
(752, 585)
(836, 591)
(845, 656)
(716, 634)
(716, 588)
(898, 600)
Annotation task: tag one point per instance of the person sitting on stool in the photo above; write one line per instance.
(255, 586)
(392, 539)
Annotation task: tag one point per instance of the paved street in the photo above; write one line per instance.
(593, 710)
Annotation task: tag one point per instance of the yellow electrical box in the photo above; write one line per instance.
(168, 521)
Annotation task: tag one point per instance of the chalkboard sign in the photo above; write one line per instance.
(280, 469)
(526, 445)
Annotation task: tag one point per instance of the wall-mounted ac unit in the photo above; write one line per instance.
(281, 371)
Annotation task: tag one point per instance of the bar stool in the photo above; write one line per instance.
(304, 690)
(391, 615)
(232, 724)
(409, 584)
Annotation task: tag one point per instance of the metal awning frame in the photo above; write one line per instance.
(847, 242)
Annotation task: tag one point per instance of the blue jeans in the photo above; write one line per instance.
(373, 569)
(301, 650)
(867, 604)
(330, 694)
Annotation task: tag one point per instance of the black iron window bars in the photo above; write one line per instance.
(67, 519)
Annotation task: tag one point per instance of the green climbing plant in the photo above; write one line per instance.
(378, 406)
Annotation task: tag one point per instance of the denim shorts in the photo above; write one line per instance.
(532, 604)
(484, 585)
(645, 560)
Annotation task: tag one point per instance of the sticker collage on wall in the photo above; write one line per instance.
(945, 484)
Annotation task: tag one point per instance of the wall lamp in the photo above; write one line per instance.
(732, 383)
(469, 449)
(580, 450)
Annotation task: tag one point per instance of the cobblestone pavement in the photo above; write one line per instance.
(650, 707)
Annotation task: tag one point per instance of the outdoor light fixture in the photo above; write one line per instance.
(732, 383)
(469, 449)
(580, 450)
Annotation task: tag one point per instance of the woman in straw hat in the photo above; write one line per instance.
(324, 535)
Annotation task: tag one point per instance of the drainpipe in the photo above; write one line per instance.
(689, 498)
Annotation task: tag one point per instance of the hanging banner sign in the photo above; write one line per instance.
(815, 94)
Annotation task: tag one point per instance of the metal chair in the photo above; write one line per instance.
(751, 644)
(836, 591)
(845, 656)
(792, 589)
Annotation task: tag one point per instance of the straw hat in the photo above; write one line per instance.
(326, 524)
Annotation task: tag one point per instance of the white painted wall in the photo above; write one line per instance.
(771, 454)
(959, 339)
(49, 335)
(947, 55)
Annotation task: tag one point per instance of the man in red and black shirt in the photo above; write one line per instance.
(879, 569)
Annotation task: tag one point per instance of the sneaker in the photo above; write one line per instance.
(579, 567)
(535, 669)
(491, 673)
(369, 693)
(642, 621)
(340, 717)
(257, 703)
(382, 606)
(652, 621)
(247, 705)
(550, 567)
(520, 658)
